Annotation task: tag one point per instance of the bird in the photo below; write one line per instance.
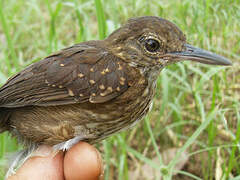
(96, 88)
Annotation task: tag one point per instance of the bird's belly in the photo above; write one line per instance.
(91, 122)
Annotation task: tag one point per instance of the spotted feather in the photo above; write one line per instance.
(74, 75)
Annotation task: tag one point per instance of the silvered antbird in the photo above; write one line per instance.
(93, 89)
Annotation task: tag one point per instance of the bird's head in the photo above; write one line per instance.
(155, 42)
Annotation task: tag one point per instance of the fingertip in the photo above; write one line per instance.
(44, 164)
(83, 161)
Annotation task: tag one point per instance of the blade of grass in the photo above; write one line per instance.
(101, 19)
(188, 174)
(143, 158)
(52, 29)
(6, 30)
(191, 139)
(211, 128)
(122, 173)
(80, 37)
(234, 149)
(107, 155)
(3, 144)
(153, 140)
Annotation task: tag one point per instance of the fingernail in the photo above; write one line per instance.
(43, 151)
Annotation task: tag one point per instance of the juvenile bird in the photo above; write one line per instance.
(91, 90)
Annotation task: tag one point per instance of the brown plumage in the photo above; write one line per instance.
(96, 88)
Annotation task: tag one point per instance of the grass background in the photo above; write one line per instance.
(196, 108)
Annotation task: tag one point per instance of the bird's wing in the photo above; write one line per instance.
(74, 75)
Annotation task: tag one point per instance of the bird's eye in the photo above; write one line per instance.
(152, 45)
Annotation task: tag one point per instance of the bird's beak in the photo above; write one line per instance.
(196, 54)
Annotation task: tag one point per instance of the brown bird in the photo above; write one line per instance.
(91, 90)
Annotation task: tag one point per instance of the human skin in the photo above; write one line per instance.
(82, 161)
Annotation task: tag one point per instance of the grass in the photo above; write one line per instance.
(197, 107)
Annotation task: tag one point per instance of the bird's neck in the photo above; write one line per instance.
(151, 74)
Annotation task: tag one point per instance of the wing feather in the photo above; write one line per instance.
(77, 74)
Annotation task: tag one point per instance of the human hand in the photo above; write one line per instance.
(82, 161)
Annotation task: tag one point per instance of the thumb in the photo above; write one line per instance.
(83, 162)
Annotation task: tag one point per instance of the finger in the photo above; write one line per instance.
(45, 164)
(83, 162)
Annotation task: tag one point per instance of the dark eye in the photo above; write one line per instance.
(152, 45)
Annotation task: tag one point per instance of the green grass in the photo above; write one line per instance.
(196, 107)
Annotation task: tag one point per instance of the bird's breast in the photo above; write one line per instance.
(126, 112)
